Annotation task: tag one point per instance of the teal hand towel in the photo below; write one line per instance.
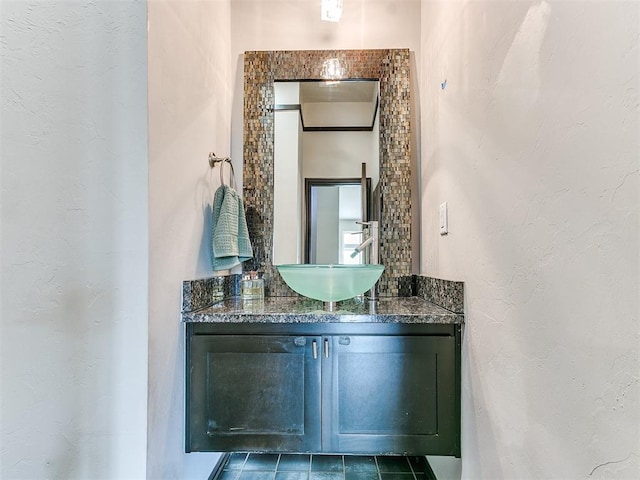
(230, 242)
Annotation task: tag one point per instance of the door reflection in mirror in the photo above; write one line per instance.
(322, 133)
(333, 206)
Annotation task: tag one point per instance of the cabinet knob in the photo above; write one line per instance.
(299, 341)
(345, 341)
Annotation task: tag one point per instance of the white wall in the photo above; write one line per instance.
(287, 201)
(73, 297)
(340, 155)
(296, 25)
(325, 247)
(190, 97)
(534, 143)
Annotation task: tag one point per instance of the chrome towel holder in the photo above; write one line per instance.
(213, 160)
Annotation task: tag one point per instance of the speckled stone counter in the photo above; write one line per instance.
(303, 310)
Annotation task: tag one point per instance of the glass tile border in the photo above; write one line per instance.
(392, 67)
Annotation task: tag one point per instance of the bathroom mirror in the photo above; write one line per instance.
(326, 133)
(391, 69)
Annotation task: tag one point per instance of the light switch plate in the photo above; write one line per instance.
(444, 218)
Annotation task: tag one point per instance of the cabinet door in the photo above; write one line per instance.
(253, 393)
(390, 394)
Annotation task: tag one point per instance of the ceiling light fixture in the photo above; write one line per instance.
(331, 10)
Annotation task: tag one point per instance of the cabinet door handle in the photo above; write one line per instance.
(326, 348)
(314, 348)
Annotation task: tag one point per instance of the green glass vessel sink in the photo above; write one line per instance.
(330, 283)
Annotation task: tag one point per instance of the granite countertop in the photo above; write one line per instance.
(304, 310)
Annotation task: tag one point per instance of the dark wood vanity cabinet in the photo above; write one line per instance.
(389, 394)
(252, 392)
(324, 387)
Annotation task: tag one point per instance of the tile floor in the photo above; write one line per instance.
(255, 466)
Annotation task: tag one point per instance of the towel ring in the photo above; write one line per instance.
(222, 160)
(232, 177)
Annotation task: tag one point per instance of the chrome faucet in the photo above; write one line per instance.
(373, 242)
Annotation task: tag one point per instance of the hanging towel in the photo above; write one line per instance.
(230, 237)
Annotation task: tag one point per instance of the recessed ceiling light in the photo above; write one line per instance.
(331, 10)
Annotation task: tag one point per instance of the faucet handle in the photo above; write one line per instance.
(372, 225)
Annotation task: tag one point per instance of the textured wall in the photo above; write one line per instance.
(73, 307)
(534, 143)
(190, 92)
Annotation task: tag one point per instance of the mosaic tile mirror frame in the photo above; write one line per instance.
(392, 68)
